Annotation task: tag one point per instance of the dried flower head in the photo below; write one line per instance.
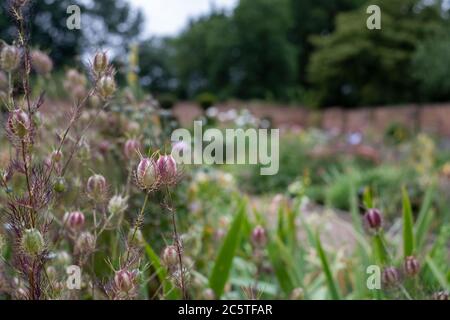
(170, 256)
(117, 204)
(41, 62)
(441, 295)
(167, 169)
(19, 123)
(56, 156)
(390, 276)
(373, 220)
(297, 294)
(147, 174)
(96, 188)
(9, 58)
(85, 243)
(100, 64)
(106, 87)
(411, 266)
(62, 259)
(74, 220)
(124, 280)
(32, 242)
(259, 237)
(131, 148)
(208, 294)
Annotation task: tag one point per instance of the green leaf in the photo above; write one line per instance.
(424, 218)
(437, 273)
(381, 253)
(332, 287)
(408, 226)
(224, 260)
(280, 261)
(368, 198)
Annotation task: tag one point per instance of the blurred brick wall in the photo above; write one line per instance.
(432, 118)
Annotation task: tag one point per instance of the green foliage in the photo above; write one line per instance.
(354, 65)
(332, 286)
(224, 260)
(167, 100)
(431, 67)
(408, 226)
(206, 100)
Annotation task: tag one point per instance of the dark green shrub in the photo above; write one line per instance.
(206, 100)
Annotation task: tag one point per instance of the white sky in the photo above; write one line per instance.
(168, 17)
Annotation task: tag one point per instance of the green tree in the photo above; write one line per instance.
(357, 66)
(431, 67)
(156, 72)
(203, 55)
(265, 59)
(314, 17)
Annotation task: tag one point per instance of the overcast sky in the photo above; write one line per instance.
(168, 17)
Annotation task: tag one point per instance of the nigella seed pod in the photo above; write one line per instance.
(19, 123)
(100, 64)
(135, 238)
(411, 266)
(124, 280)
(41, 62)
(167, 169)
(170, 256)
(96, 187)
(32, 242)
(297, 294)
(390, 276)
(259, 237)
(62, 259)
(117, 204)
(146, 174)
(74, 220)
(106, 87)
(131, 148)
(9, 58)
(442, 295)
(208, 294)
(60, 185)
(373, 219)
(85, 243)
(56, 156)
